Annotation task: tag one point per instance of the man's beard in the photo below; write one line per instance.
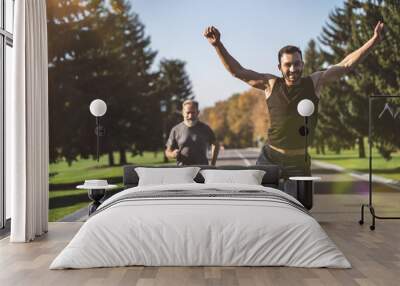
(292, 77)
(190, 123)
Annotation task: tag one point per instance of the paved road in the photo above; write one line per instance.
(338, 196)
(334, 180)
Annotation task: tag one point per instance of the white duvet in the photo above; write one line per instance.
(183, 231)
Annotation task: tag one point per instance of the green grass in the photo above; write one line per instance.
(58, 213)
(66, 199)
(84, 169)
(350, 160)
(66, 193)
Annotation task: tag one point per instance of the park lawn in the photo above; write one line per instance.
(84, 169)
(63, 202)
(349, 159)
(66, 193)
(58, 213)
(66, 202)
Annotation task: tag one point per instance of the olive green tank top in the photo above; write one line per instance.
(285, 121)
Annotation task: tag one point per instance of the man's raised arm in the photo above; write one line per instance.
(349, 62)
(255, 79)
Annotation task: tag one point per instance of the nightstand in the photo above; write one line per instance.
(96, 191)
(305, 190)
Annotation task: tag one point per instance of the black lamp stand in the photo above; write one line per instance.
(99, 131)
(306, 146)
(304, 132)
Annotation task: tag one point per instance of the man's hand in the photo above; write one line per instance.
(214, 153)
(212, 35)
(175, 153)
(378, 35)
(172, 154)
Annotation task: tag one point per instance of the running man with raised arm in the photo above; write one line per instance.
(285, 145)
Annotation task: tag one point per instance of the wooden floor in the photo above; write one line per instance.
(374, 255)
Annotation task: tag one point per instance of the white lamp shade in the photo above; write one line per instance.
(98, 107)
(305, 107)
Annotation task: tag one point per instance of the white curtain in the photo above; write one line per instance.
(27, 144)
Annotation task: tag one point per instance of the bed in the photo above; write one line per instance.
(201, 224)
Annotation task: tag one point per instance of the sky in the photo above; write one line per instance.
(253, 31)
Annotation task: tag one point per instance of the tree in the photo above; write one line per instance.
(127, 81)
(343, 112)
(99, 50)
(312, 63)
(241, 120)
(68, 39)
(173, 87)
(380, 76)
(216, 118)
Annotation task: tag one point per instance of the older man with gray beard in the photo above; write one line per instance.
(188, 141)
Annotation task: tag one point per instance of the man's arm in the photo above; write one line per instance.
(171, 150)
(255, 79)
(349, 62)
(214, 153)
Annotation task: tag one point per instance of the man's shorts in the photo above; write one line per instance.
(290, 165)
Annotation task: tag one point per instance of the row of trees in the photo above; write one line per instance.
(99, 49)
(343, 110)
(344, 106)
(240, 121)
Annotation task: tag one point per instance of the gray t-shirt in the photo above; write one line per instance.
(192, 143)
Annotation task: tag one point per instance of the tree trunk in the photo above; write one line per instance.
(317, 149)
(111, 158)
(323, 148)
(361, 147)
(122, 157)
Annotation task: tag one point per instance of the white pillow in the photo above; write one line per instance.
(249, 177)
(162, 176)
